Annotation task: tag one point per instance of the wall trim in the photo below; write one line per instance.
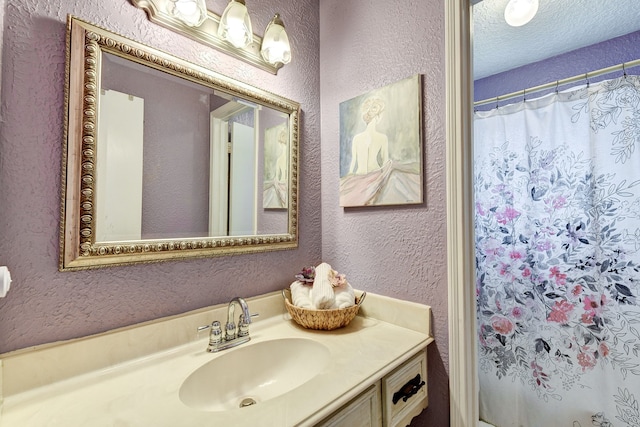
(463, 379)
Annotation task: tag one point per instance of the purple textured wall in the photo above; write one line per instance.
(398, 251)
(45, 305)
(611, 52)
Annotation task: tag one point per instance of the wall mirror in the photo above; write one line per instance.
(164, 159)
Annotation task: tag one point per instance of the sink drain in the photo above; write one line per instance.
(247, 401)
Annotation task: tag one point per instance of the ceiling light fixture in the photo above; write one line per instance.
(519, 12)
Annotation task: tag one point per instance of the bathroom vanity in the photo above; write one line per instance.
(371, 373)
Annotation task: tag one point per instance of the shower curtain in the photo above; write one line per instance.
(557, 215)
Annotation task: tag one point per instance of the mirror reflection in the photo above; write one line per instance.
(180, 158)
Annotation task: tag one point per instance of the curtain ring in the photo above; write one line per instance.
(586, 77)
(497, 104)
(624, 71)
(524, 95)
(557, 83)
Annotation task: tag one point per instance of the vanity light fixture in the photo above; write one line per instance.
(230, 33)
(275, 44)
(520, 12)
(235, 24)
(192, 12)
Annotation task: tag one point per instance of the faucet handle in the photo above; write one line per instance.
(214, 324)
(215, 334)
(215, 337)
(243, 325)
(200, 329)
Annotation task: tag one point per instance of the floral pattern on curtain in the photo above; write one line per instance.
(557, 192)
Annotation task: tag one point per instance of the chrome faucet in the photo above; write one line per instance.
(233, 336)
(230, 332)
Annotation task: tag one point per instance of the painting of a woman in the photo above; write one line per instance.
(276, 168)
(370, 148)
(380, 155)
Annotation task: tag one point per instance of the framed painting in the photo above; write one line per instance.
(381, 146)
(276, 167)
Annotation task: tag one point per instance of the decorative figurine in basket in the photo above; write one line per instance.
(321, 298)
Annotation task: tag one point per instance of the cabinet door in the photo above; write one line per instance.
(363, 411)
(404, 392)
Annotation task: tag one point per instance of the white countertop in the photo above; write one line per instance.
(144, 391)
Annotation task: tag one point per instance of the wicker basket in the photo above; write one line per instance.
(322, 319)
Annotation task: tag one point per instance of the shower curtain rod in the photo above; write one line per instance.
(557, 83)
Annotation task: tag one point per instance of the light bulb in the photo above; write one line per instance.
(235, 25)
(191, 12)
(519, 12)
(187, 8)
(275, 43)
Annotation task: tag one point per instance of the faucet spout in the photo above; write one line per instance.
(243, 306)
(230, 330)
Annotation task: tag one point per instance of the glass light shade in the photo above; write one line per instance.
(275, 43)
(519, 12)
(191, 12)
(235, 25)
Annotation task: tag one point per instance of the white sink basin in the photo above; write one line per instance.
(253, 373)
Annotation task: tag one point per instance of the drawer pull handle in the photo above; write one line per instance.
(408, 390)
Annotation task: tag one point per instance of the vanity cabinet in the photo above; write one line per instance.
(391, 402)
(404, 392)
(363, 411)
(376, 379)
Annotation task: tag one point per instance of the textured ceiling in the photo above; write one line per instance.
(560, 26)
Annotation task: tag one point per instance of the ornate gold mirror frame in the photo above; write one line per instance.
(78, 247)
